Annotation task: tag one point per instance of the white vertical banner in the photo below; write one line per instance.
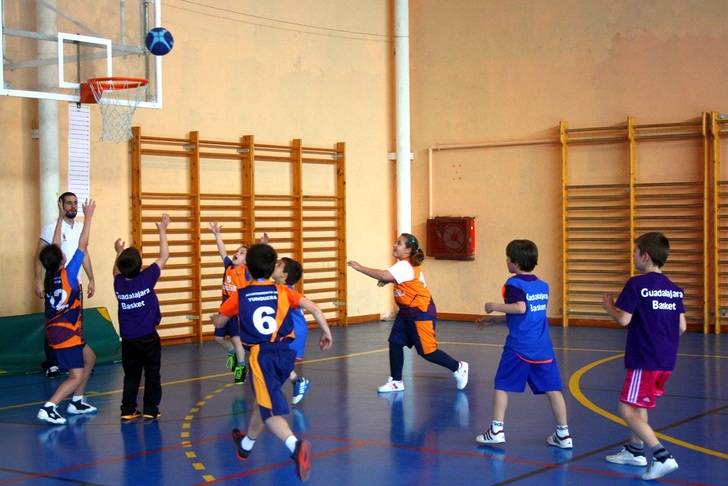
(79, 152)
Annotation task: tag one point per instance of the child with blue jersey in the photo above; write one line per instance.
(265, 310)
(528, 355)
(288, 271)
(234, 277)
(139, 316)
(651, 307)
(64, 320)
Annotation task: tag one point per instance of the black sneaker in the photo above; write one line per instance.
(240, 373)
(50, 415)
(238, 439)
(148, 416)
(302, 457)
(79, 407)
(53, 372)
(130, 417)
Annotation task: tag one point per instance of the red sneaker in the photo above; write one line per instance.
(302, 457)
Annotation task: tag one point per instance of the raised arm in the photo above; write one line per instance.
(620, 317)
(163, 244)
(59, 225)
(119, 246)
(88, 213)
(376, 274)
(325, 341)
(216, 228)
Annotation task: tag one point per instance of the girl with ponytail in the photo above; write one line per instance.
(64, 321)
(417, 317)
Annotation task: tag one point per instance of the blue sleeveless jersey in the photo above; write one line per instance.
(528, 334)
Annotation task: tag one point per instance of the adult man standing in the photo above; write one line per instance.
(70, 234)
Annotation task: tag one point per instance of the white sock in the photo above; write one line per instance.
(291, 443)
(562, 431)
(496, 426)
(49, 404)
(76, 398)
(247, 443)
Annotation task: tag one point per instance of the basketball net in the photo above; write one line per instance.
(118, 99)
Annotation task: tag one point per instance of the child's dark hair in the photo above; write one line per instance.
(129, 262)
(523, 253)
(656, 245)
(416, 253)
(293, 270)
(51, 257)
(261, 260)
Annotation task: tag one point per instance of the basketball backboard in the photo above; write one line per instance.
(49, 47)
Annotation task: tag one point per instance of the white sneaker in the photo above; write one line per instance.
(560, 442)
(461, 375)
(50, 415)
(391, 386)
(627, 458)
(79, 407)
(658, 469)
(490, 437)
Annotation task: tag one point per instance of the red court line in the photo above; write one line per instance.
(358, 444)
(109, 460)
(278, 465)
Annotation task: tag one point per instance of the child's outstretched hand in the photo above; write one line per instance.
(215, 228)
(355, 265)
(325, 341)
(264, 239)
(489, 307)
(162, 225)
(608, 301)
(483, 322)
(119, 245)
(88, 208)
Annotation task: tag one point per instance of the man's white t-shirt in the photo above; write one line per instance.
(69, 238)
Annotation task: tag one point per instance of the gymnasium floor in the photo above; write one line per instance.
(424, 436)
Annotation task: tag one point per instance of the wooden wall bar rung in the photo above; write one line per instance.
(165, 153)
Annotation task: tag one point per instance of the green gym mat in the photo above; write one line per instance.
(21, 340)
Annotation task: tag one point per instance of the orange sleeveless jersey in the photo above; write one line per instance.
(64, 314)
(413, 293)
(232, 280)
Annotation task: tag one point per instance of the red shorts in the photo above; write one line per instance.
(642, 387)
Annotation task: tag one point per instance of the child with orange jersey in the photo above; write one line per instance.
(416, 320)
(64, 326)
(235, 277)
(265, 310)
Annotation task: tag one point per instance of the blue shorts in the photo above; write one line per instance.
(270, 364)
(70, 358)
(300, 328)
(232, 328)
(513, 374)
(418, 332)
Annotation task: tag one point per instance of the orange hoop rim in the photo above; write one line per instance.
(116, 83)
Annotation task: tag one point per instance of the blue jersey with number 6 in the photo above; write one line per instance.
(265, 310)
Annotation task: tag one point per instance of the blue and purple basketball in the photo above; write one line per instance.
(159, 41)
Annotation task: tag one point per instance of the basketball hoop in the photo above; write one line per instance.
(118, 98)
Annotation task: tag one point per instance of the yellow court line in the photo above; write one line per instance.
(591, 350)
(575, 389)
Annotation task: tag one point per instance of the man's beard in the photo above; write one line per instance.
(71, 214)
